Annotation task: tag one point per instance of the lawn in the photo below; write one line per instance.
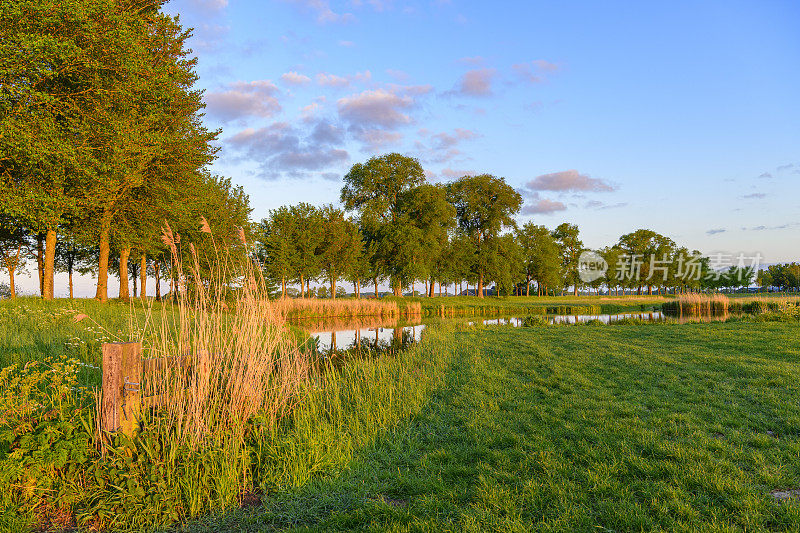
(553, 428)
(588, 428)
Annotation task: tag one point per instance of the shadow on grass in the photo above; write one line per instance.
(425, 466)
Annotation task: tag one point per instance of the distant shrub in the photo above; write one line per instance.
(534, 321)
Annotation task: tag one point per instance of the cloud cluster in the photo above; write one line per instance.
(280, 149)
(294, 78)
(323, 12)
(568, 181)
(442, 147)
(242, 99)
(542, 206)
(476, 82)
(375, 108)
(534, 71)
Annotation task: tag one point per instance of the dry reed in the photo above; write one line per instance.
(698, 304)
(236, 359)
(320, 308)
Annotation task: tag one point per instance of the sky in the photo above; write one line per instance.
(679, 116)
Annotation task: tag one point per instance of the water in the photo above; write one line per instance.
(382, 334)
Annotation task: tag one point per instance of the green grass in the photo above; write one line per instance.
(607, 428)
(556, 428)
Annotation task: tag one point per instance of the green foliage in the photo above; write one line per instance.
(484, 206)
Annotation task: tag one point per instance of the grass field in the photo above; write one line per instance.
(679, 427)
(592, 428)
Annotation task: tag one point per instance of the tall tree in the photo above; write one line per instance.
(485, 205)
(571, 246)
(14, 244)
(340, 247)
(540, 257)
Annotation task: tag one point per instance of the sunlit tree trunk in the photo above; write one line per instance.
(143, 276)
(124, 254)
(102, 266)
(40, 261)
(376, 287)
(11, 265)
(333, 287)
(480, 285)
(157, 272)
(49, 263)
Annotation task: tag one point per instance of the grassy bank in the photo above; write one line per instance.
(558, 428)
(622, 428)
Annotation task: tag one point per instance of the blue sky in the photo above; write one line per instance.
(678, 116)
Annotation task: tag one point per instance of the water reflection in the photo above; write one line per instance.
(363, 333)
(382, 335)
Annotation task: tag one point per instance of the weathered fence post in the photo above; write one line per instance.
(122, 378)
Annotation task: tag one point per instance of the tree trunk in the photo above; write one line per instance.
(134, 280)
(333, 288)
(12, 267)
(102, 266)
(302, 287)
(376, 287)
(40, 261)
(49, 264)
(124, 254)
(143, 276)
(479, 290)
(157, 272)
(283, 287)
(70, 284)
(431, 289)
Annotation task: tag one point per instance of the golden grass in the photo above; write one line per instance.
(361, 322)
(320, 308)
(697, 304)
(239, 361)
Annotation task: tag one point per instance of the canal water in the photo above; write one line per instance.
(385, 333)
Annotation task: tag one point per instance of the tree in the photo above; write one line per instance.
(402, 219)
(150, 128)
(505, 262)
(540, 257)
(13, 248)
(308, 238)
(277, 250)
(427, 209)
(652, 255)
(566, 235)
(340, 247)
(484, 205)
(375, 188)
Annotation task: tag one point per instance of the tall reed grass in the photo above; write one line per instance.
(241, 357)
(697, 304)
(293, 308)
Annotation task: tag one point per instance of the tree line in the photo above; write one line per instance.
(101, 142)
(403, 230)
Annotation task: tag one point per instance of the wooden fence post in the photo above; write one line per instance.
(122, 378)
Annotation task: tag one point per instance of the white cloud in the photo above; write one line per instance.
(375, 108)
(568, 180)
(242, 99)
(294, 78)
